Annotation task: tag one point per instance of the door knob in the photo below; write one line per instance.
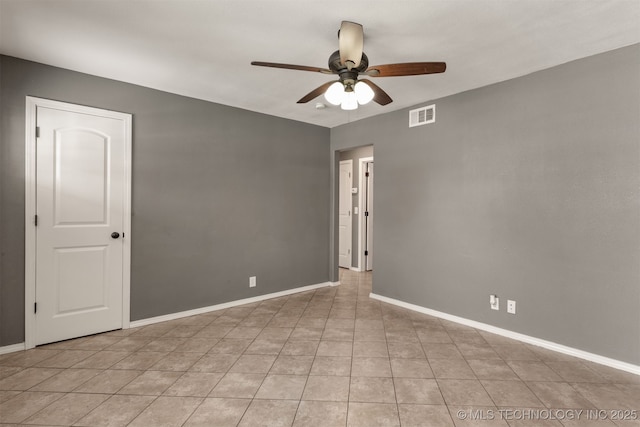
(115, 235)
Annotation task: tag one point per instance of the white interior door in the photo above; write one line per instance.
(369, 218)
(344, 214)
(81, 199)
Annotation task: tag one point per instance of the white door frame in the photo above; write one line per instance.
(32, 104)
(361, 202)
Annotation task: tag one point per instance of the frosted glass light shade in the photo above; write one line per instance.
(335, 93)
(364, 93)
(350, 101)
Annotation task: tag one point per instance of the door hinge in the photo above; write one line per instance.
(37, 131)
(366, 213)
(366, 174)
(35, 307)
(35, 221)
(366, 253)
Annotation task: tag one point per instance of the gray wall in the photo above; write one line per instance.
(219, 194)
(356, 154)
(528, 189)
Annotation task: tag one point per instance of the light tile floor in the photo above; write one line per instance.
(330, 357)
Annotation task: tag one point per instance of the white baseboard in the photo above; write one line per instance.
(356, 269)
(596, 358)
(12, 348)
(334, 283)
(202, 310)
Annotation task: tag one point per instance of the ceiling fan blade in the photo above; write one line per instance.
(406, 69)
(351, 42)
(316, 92)
(292, 67)
(380, 96)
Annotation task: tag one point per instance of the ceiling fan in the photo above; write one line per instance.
(349, 62)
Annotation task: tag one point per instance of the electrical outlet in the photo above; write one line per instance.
(252, 281)
(511, 306)
(494, 302)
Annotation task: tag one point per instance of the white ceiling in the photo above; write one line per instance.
(203, 48)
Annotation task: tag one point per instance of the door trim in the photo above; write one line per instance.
(32, 103)
(361, 218)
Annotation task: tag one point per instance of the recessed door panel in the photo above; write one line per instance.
(81, 178)
(81, 279)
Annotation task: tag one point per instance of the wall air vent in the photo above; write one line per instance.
(422, 116)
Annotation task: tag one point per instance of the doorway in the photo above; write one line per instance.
(77, 217)
(361, 193)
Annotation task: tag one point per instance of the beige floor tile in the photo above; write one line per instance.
(238, 385)
(230, 346)
(117, 411)
(194, 384)
(265, 347)
(301, 333)
(27, 378)
(411, 350)
(176, 361)
(197, 345)
(495, 369)
(327, 388)
(442, 351)
(244, 332)
(370, 367)
(140, 360)
(102, 360)
(24, 405)
(214, 363)
(369, 335)
(130, 343)
(328, 365)
(372, 390)
(373, 415)
(276, 334)
(514, 351)
(68, 409)
(370, 349)
(533, 371)
(7, 371)
(411, 368)
(7, 395)
(335, 348)
(321, 414)
(282, 387)
(67, 380)
(476, 416)
(272, 413)
(300, 348)
(167, 412)
(610, 396)
(513, 394)
(451, 368)
(109, 381)
(575, 372)
(253, 364)
(425, 415)
(292, 365)
(27, 358)
(464, 392)
(152, 383)
(418, 391)
(218, 412)
(559, 395)
(163, 344)
(65, 359)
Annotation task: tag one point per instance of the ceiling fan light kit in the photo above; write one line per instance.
(348, 62)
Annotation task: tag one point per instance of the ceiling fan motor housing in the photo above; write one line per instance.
(347, 77)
